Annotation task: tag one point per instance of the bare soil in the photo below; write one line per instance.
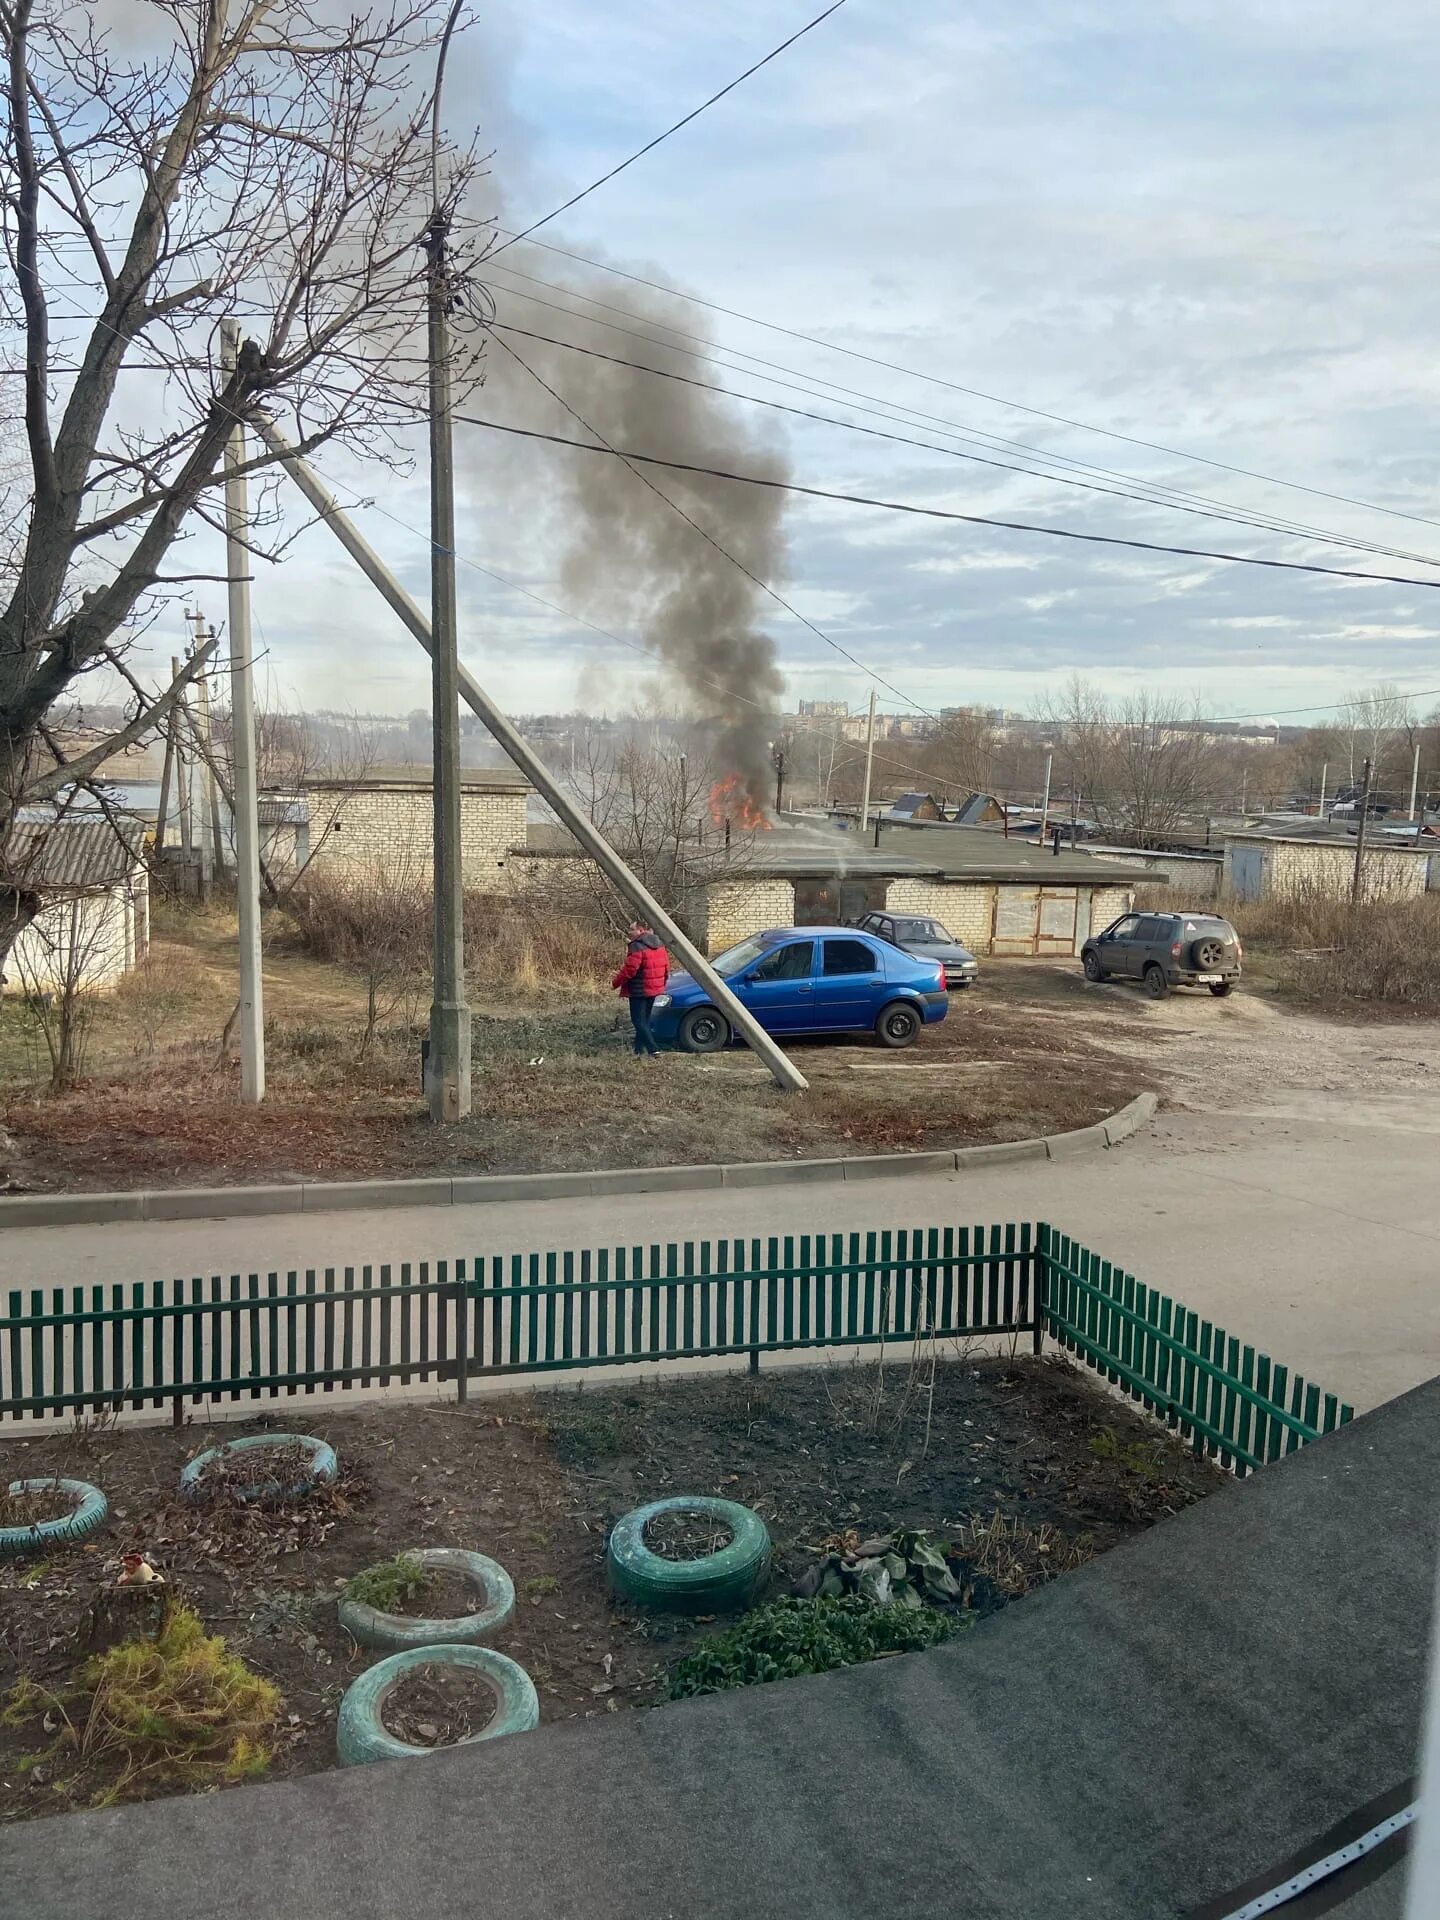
(437, 1705)
(1032, 1448)
(552, 1076)
(31, 1509)
(443, 1596)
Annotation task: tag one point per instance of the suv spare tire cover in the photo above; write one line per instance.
(1209, 952)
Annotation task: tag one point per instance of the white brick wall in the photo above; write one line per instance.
(1106, 904)
(94, 941)
(351, 832)
(727, 911)
(1294, 869)
(966, 908)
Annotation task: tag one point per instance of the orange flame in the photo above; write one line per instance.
(729, 802)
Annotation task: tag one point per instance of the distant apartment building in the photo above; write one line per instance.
(823, 709)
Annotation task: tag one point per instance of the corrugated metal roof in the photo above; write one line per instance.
(63, 855)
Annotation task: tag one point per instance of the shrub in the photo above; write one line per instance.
(790, 1637)
(390, 1586)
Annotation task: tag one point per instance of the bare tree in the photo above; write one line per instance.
(1140, 765)
(270, 158)
(376, 922)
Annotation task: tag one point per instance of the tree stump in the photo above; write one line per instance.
(126, 1613)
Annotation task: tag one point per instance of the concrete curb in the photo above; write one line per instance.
(334, 1196)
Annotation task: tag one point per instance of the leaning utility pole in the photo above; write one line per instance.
(244, 803)
(1357, 882)
(869, 763)
(1414, 779)
(782, 1068)
(447, 1077)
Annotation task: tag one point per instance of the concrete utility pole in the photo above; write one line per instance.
(447, 1079)
(786, 1074)
(869, 762)
(1045, 803)
(167, 773)
(1324, 771)
(1358, 880)
(1414, 778)
(205, 740)
(181, 713)
(779, 778)
(244, 802)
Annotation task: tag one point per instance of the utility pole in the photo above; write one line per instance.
(1045, 803)
(779, 777)
(1324, 771)
(167, 773)
(869, 763)
(1414, 778)
(448, 1072)
(1356, 883)
(206, 740)
(244, 803)
(782, 1068)
(182, 767)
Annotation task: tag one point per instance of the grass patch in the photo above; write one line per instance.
(792, 1637)
(183, 1711)
(391, 1586)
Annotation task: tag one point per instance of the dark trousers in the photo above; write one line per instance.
(642, 1005)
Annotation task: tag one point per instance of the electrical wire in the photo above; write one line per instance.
(976, 393)
(932, 446)
(604, 446)
(964, 431)
(651, 145)
(628, 454)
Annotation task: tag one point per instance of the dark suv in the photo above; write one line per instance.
(1167, 950)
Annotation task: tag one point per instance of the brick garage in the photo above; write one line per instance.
(1276, 867)
(383, 823)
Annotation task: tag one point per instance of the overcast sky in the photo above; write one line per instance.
(1214, 228)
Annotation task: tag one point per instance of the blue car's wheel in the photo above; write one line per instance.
(898, 1024)
(704, 1030)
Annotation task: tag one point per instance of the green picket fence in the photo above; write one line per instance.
(256, 1336)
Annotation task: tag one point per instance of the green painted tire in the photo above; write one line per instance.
(89, 1512)
(323, 1467)
(361, 1736)
(392, 1632)
(723, 1582)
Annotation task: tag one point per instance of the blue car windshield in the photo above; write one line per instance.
(736, 959)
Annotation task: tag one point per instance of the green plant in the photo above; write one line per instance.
(390, 1586)
(540, 1585)
(584, 1437)
(1139, 1457)
(790, 1637)
(182, 1709)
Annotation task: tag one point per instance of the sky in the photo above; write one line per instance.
(1208, 228)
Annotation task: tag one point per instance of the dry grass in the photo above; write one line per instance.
(1335, 953)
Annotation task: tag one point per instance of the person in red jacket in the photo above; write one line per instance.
(642, 975)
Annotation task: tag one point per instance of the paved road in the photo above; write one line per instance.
(1309, 1226)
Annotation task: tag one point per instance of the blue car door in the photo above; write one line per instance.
(779, 989)
(848, 982)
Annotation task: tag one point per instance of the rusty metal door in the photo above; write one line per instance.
(1017, 920)
(1059, 907)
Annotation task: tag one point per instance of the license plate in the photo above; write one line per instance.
(1207, 979)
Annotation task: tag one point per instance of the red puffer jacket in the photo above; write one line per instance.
(645, 970)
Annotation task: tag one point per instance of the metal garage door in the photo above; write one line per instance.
(1058, 909)
(1017, 920)
(1030, 920)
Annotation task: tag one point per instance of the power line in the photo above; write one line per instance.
(635, 646)
(931, 446)
(974, 436)
(975, 393)
(943, 513)
(604, 446)
(651, 145)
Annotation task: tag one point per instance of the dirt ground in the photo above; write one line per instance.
(536, 1483)
(551, 1074)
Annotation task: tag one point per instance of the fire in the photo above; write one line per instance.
(731, 805)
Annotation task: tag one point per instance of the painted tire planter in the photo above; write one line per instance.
(395, 1631)
(88, 1513)
(361, 1735)
(322, 1467)
(721, 1582)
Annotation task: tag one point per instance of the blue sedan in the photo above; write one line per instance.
(809, 980)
